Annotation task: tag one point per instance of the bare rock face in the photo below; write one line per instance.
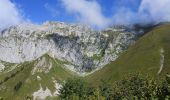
(83, 49)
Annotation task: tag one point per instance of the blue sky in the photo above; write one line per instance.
(39, 11)
(95, 13)
(36, 10)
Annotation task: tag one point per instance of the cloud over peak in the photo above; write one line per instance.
(157, 10)
(148, 11)
(87, 12)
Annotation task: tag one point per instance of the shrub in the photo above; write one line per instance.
(17, 86)
(132, 88)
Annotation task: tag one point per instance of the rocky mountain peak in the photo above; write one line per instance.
(83, 48)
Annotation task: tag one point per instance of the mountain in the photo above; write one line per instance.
(36, 59)
(150, 55)
(83, 48)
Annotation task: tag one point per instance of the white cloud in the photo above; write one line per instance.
(9, 14)
(154, 11)
(158, 10)
(88, 12)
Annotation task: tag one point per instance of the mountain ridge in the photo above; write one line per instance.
(85, 48)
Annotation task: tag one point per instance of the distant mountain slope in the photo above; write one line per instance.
(28, 78)
(150, 56)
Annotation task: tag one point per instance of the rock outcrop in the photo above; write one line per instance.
(83, 49)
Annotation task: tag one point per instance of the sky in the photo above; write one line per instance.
(95, 13)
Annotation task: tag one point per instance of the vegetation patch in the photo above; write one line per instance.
(134, 87)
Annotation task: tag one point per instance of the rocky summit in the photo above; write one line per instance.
(82, 49)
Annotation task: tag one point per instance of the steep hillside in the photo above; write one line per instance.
(41, 77)
(149, 56)
(84, 48)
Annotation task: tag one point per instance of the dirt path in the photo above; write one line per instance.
(161, 60)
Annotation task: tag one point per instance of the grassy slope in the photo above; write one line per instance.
(30, 82)
(143, 57)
